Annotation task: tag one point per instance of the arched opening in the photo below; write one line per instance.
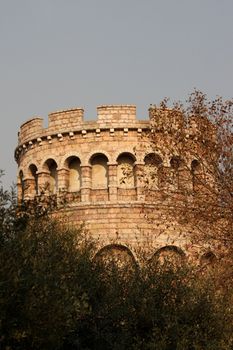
(51, 167)
(208, 258)
(152, 174)
(125, 171)
(99, 171)
(197, 174)
(177, 166)
(116, 255)
(126, 177)
(34, 175)
(170, 256)
(74, 180)
(21, 187)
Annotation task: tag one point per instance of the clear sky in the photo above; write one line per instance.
(58, 54)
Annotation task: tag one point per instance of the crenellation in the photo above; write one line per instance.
(116, 113)
(30, 129)
(68, 118)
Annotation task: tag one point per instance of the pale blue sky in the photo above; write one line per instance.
(58, 54)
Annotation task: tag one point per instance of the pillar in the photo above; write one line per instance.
(20, 193)
(86, 183)
(139, 181)
(43, 182)
(29, 188)
(112, 181)
(63, 180)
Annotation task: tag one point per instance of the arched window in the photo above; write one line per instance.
(99, 173)
(51, 166)
(74, 166)
(208, 258)
(125, 171)
(153, 163)
(168, 255)
(33, 172)
(118, 255)
(21, 185)
(177, 166)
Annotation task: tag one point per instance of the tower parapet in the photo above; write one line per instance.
(115, 114)
(65, 120)
(30, 129)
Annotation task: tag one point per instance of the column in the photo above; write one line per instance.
(112, 181)
(86, 183)
(29, 188)
(20, 193)
(63, 180)
(139, 181)
(43, 182)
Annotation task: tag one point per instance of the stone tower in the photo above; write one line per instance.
(97, 166)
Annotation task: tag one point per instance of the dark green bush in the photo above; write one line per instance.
(54, 295)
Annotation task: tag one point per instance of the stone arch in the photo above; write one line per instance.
(50, 166)
(63, 161)
(21, 170)
(118, 254)
(195, 165)
(33, 173)
(153, 158)
(123, 151)
(152, 170)
(176, 162)
(87, 160)
(170, 254)
(74, 179)
(208, 258)
(26, 168)
(42, 166)
(99, 171)
(125, 170)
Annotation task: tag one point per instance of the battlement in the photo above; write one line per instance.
(66, 119)
(73, 120)
(30, 129)
(113, 117)
(116, 113)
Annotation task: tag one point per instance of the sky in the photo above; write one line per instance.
(60, 54)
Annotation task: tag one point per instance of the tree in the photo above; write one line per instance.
(54, 295)
(197, 185)
(157, 308)
(42, 294)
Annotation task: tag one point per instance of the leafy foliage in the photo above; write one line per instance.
(157, 309)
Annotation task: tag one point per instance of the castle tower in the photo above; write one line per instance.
(98, 167)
